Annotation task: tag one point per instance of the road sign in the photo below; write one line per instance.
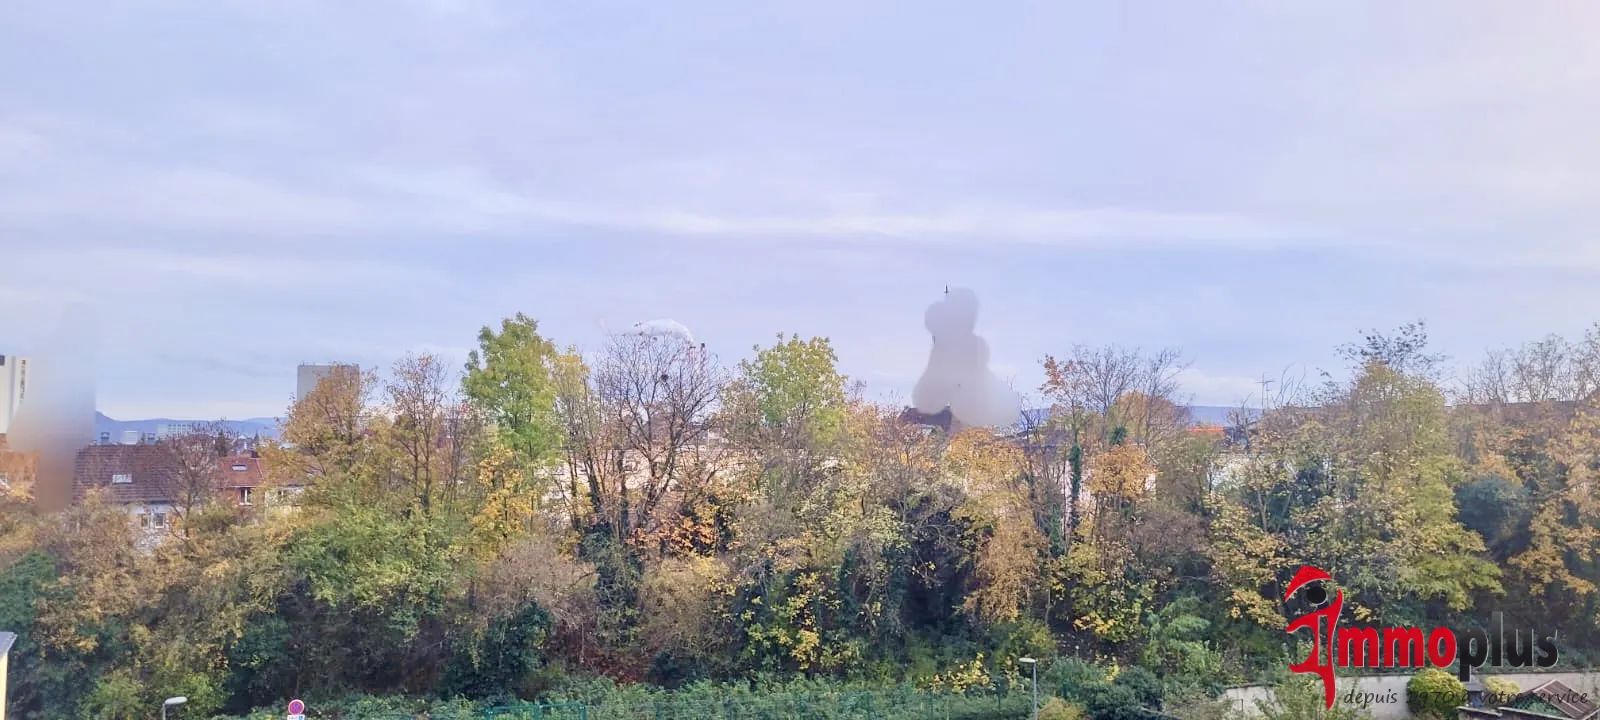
(297, 710)
(295, 717)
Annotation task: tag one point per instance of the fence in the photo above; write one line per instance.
(890, 705)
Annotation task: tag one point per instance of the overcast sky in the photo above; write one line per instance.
(241, 186)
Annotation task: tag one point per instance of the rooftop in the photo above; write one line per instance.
(128, 474)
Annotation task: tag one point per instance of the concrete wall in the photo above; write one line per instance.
(6, 640)
(1244, 698)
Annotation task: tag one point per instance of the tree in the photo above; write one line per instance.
(789, 405)
(588, 452)
(658, 394)
(427, 430)
(1109, 396)
(194, 461)
(1009, 545)
(324, 432)
(1404, 351)
(511, 379)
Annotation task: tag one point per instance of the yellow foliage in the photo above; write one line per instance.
(507, 506)
(976, 456)
(1009, 559)
(1120, 472)
(1057, 709)
(970, 676)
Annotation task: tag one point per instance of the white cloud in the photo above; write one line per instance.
(1433, 138)
(117, 269)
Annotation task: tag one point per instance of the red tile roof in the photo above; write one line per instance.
(153, 476)
(241, 471)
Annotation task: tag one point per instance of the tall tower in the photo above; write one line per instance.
(13, 386)
(309, 375)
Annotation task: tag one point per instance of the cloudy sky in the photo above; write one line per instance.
(238, 186)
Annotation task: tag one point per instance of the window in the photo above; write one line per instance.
(240, 468)
(244, 496)
(121, 478)
(158, 520)
(144, 520)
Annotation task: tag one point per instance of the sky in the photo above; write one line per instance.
(238, 186)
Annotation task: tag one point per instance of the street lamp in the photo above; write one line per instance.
(170, 703)
(1035, 664)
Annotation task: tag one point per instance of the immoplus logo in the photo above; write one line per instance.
(1333, 646)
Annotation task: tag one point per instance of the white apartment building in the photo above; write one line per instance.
(176, 429)
(13, 386)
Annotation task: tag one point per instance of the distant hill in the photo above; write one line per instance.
(268, 427)
(1217, 415)
(265, 427)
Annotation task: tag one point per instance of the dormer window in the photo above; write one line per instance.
(121, 478)
(240, 468)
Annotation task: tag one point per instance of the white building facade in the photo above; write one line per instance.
(13, 386)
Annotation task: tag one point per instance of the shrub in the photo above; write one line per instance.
(1436, 691)
(1058, 709)
(1146, 687)
(1299, 697)
(1114, 702)
(1072, 678)
(1499, 690)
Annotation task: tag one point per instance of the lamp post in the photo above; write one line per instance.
(171, 702)
(1035, 665)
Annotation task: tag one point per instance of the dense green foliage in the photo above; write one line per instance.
(1435, 691)
(610, 528)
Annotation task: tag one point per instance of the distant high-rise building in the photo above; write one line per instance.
(176, 429)
(310, 375)
(13, 386)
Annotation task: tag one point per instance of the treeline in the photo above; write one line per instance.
(647, 514)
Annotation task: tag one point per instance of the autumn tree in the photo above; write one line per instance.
(658, 394)
(432, 432)
(1009, 556)
(1527, 420)
(324, 433)
(1101, 394)
(1363, 484)
(193, 460)
(591, 461)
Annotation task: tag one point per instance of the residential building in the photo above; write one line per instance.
(243, 483)
(140, 478)
(147, 481)
(13, 386)
(176, 429)
(309, 376)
